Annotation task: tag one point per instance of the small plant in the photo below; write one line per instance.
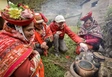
(107, 32)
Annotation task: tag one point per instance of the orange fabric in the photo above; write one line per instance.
(38, 36)
(48, 33)
(39, 69)
(40, 40)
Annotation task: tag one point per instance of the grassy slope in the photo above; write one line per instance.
(57, 66)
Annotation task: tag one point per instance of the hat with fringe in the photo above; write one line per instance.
(39, 18)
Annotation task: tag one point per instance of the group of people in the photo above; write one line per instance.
(26, 36)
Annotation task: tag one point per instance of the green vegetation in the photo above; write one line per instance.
(109, 11)
(34, 4)
(57, 66)
(108, 20)
(107, 28)
(109, 15)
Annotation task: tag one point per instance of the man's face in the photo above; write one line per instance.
(39, 26)
(60, 25)
(29, 31)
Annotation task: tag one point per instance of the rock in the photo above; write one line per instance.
(108, 52)
(85, 56)
(106, 68)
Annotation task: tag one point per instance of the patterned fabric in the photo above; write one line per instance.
(45, 33)
(12, 60)
(14, 51)
(93, 30)
(13, 33)
(11, 51)
(42, 35)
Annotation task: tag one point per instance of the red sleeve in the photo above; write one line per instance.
(48, 32)
(53, 28)
(93, 40)
(72, 35)
(54, 33)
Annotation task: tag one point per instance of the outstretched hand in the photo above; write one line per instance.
(83, 47)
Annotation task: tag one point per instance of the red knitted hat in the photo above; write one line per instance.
(86, 17)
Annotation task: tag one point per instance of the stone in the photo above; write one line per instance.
(105, 69)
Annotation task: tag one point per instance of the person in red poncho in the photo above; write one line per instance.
(17, 56)
(91, 32)
(59, 28)
(43, 34)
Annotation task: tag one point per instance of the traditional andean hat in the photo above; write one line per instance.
(87, 16)
(25, 15)
(39, 18)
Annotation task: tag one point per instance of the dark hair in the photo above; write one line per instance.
(27, 25)
(11, 25)
(1, 23)
(90, 18)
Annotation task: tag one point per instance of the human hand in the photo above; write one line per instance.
(44, 45)
(58, 32)
(83, 46)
